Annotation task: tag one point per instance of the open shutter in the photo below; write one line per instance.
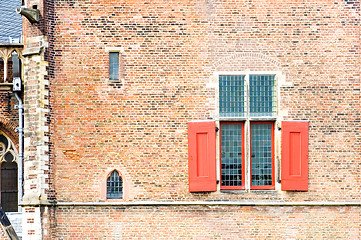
(294, 162)
(202, 156)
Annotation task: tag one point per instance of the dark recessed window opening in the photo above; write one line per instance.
(114, 66)
(9, 175)
(114, 186)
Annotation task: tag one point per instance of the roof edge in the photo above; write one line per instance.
(11, 45)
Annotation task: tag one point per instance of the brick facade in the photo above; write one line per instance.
(206, 222)
(86, 126)
(9, 121)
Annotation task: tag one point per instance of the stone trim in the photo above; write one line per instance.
(36, 140)
(32, 51)
(201, 203)
(103, 186)
(248, 55)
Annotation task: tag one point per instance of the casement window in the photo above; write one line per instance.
(245, 99)
(247, 120)
(116, 70)
(114, 186)
(114, 66)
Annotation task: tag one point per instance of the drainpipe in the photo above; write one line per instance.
(20, 129)
(5, 70)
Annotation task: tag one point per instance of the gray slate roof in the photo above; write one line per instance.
(10, 21)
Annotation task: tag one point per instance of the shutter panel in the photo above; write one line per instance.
(294, 162)
(202, 156)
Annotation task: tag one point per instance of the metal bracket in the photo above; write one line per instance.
(17, 84)
(18, 106)
(279, 170)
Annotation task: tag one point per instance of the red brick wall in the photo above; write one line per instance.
(9, 74)
(171, 50)
(208, 223)
(38, 28)
(9, 116)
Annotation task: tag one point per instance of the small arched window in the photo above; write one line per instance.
(114, 186)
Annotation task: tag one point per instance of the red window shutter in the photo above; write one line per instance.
(202, 156)
(294, 162)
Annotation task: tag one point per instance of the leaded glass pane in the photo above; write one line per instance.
(114, 66)
(261, 154)
(231, 154)
(231, 96)
(262, 95)
(114, 186)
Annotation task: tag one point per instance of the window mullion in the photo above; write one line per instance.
(247, 136)
(246, 96)
(276, 95)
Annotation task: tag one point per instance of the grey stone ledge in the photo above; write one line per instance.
(7, 87)
(14, 45)
(198, 203)
(32, 51)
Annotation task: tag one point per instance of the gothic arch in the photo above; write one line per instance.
(8, 127)
(5, 55)
(103, 187)
(9, 173)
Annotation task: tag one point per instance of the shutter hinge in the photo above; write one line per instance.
(217, 129)
(279, 170)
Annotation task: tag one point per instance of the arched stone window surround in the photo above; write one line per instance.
(10, 148)
(6, 54)
(247, 60)
(9, 164)
(103, 188)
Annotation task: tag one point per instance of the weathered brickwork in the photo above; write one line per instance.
(208, 223)
(169, 53)
(9, 72)
(36, 107)
(36, 139)
(8, 116)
